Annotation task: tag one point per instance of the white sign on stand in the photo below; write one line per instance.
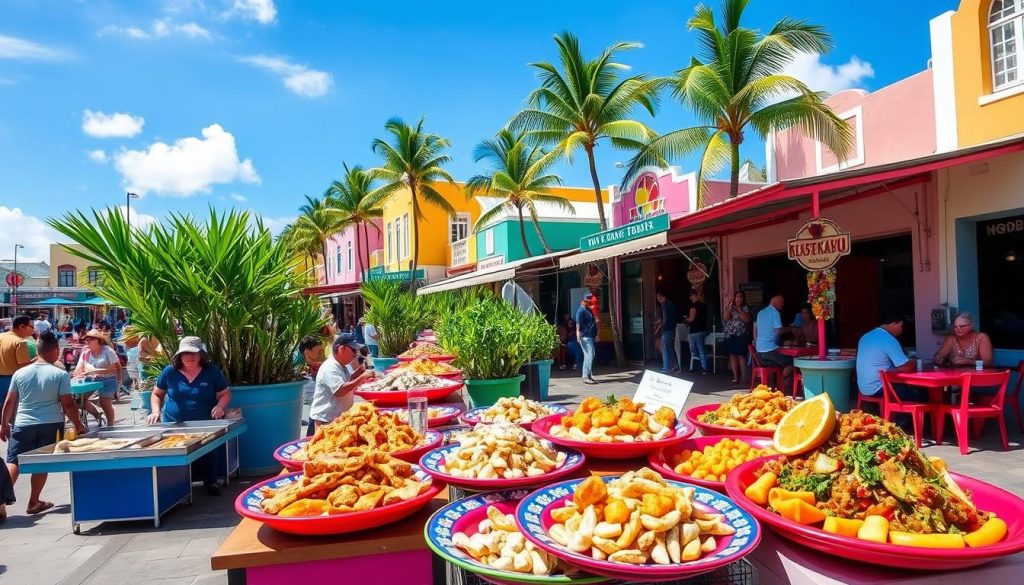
(657, 390)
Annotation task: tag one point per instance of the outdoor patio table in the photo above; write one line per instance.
(796, 351)
(830, 375)
(937, 380)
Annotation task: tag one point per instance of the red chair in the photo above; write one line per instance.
(1012, 396)
(892, 403)
(763, 373)
(963, 412)
(877, 400)
(798, 382)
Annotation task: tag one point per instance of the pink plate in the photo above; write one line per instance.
(542, 428)
(456, 375)
(443, 359)
(445, 416)
(432, 462)
(660, 461)
(985, 496)
(707, 429)
(248, 504)
(472, 416)
(285, 453)
(401, 397)
(533, 517)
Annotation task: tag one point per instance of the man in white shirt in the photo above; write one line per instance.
(41, 325)
(336, 379)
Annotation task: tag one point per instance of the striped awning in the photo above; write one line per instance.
(645, 243)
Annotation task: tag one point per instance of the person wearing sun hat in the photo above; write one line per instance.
(192, 388)
(99, 362)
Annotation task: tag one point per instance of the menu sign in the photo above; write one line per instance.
(657, 390)
(819, 244)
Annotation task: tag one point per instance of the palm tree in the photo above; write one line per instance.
(737, 83)
(584, 103)
(353, 199)
(413, 160)
(316, 223)
(518, 175)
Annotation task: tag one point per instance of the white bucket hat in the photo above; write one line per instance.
(190, 344)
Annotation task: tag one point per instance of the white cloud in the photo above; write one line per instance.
(276, 224)
(158, 29)
(193, 30)
(137, 218)
(237, 197)
(16, 227)
(116, 125)
(299, 79)
(98, 156)
(818, 76)
(15, 48)
(261, 11)
(191, 165)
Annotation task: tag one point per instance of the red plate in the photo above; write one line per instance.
(543, 426)
(660, 461)
(710, 429)
(248, 504)
(985, 496)
(401, 397)
(432, 462)
(446, 415)
(456, 375)
(284, 453)
(443, 359)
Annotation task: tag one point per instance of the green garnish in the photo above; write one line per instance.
(819, 485)
(863, 457)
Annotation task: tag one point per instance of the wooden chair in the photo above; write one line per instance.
(963, 412)
(892, 403)
(761, 372)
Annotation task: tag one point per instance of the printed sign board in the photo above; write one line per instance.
(819, 244)
(657, 390)
(629, 232)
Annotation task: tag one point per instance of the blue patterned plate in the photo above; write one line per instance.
(432, 461)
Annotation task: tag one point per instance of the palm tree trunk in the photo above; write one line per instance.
(415, 224)
(522, 233)
(366, 251)
(734, 179)
(540, 235)
(324, 252)
(613, 313)
(358, 255)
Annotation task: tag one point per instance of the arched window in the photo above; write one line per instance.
(66, 275)
(338, 262)
(1006, 38)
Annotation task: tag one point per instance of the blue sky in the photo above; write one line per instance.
(253, 103)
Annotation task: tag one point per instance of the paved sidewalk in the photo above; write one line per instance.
(41, 550)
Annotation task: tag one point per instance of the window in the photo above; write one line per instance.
(827, 161)
(66, 275)
(489, 242)
(405, 237)
(349, 255)
(1005, 21)
(1000, 273)
(94, 275)
(458, 227)
(391, 244)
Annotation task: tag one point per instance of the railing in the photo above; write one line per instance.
(460, 252)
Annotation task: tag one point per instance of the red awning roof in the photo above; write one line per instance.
(331, 289)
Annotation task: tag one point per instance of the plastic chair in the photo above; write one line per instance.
(1012, 396)
(798, 382)
(761, 372)
(892, 403)
(963, 412)
(877, 400)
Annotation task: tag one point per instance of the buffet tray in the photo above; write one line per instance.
(739, 573)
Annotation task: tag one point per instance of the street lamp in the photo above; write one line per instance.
(128, 205)
(15, 280)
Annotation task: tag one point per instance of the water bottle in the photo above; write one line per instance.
(920, 364)
(979, 365)
(417, 403)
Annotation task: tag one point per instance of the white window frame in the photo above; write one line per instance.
(858, 156)
(405, 237)
(337, 261)
(349, 254)
(489, 242)
(458, 225)
(391, 242)
(1017, 18)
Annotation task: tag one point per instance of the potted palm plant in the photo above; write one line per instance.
(488, 338)
(226, 280)
(397, 316)
(542, 339)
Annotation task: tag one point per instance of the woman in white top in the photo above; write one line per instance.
(99, 362)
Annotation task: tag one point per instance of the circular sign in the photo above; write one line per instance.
(646, 193)
(15, 279)
(819, 244)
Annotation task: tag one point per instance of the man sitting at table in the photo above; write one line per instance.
(880, 349)
(767, 329)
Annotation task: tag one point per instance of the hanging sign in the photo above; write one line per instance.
(594, 277)
(819, 244)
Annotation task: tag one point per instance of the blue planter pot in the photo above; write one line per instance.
(146, 396)
(274, 415)
(382, 363)
(538, 379)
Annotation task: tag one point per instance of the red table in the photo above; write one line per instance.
(936, 379)
(796, 351)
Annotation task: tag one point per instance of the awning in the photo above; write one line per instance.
(498, 273)
(645, 243)
(332, 290)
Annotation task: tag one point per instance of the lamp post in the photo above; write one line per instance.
(15, 280)
(128, 205)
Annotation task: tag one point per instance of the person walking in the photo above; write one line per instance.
(669, 320)
(14, 351)
(41, 394)
(698, 323)
(737, 318)
(370, 335)
(586, 333)
(41, 324)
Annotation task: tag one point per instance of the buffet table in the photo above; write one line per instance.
(147, 481)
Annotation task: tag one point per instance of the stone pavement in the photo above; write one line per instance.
(41, 550)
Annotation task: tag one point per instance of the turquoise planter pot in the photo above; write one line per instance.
(146, 396)
(538, 379)
(382, 363)
(487, 392)
(274, 415)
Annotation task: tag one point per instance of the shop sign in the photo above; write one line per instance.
(15, 279)
(629, 232)
(1002, 227)
(636, 325)
(819, 244)
(490, 262)
(594, 277)
(647, 199)
(657, 390)
(398, 275)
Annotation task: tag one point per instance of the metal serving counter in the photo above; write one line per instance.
(140, 479)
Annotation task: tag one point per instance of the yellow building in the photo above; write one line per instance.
(70, 271)
(978, 61)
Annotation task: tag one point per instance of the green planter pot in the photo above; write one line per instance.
(487, 392)
(538, 379)
(382, 363)
(274, 415)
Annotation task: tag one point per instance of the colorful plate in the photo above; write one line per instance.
(432, 461)
(660, 461)
(710, 429)
(464, 516)
(533, 516)
(472, 416)
(401, 397)
(443, 359)
(611, 450)
(284, 453)
(985, 496)
(445, 415)
(248, 504)
(455, 375)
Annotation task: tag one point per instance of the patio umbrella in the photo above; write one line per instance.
(96, 302)
(54, 301)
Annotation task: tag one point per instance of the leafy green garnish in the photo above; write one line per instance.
(709, 417)
(611, 400)
(820, 485)
(863, 457)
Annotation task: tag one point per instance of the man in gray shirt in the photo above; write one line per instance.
(336, 380)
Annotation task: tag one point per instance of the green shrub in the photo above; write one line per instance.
(396, 314)
(489, 338)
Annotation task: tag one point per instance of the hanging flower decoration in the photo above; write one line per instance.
(821, 295)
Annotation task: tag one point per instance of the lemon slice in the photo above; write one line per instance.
(806, 427)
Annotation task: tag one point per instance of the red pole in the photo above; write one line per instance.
(815, 214)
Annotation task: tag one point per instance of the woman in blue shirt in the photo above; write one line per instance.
(194, 389)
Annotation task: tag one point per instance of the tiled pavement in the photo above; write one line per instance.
(41, 550)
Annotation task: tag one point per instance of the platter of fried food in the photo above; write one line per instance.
(499, 456)
(363, 425)
(756, 413)
(356, 489)
(428, 350)
(613, 428)
(176, 440)
(92, 445)
(478, 533)
(867, 493)
(436, 415)
(706, 461)
(392, 388)
(518, 411)
(427, 366)
(637, 526)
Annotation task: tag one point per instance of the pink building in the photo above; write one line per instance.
(656, 190)
(346, 258)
